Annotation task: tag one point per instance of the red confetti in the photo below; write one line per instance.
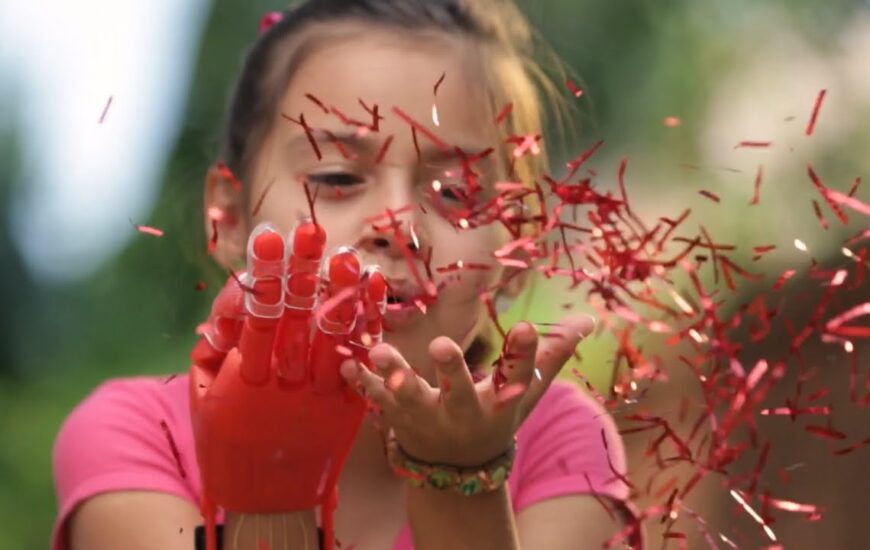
(753, 144)
(710, 195)
(855, 186)
(262, 198)
(308, 133)
(788, 274)
(384, 148)
(173, 448)
(811, 126)
(835, 197)
(105, 110)
(826, 194)
(822, 431)
(148, 230)
(756, 196)
(417, 127)
(318, 103)
(505, 112)
(819, 215)
(672, 121)
(576, 90)
(438, 84)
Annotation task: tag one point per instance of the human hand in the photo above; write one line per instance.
(462, 423)
(273, 420)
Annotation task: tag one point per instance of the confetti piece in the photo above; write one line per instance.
(270, 20)
(756, 196)
(672, 122)
(710, 195)
(504, 113)
(825, 432)
(753, 144)
(753, 514)
(820, 99)
(106, 109)
(838, 198)
(417, 127)
(317, 102)
(308, 133)
(576, 90)
(148, 230)
(174, 449)
(438, 84)
(827, 195)
(788, 274)
(800, 245)
(262, 198)
(819, 215)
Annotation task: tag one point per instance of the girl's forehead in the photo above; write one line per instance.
(432, 82)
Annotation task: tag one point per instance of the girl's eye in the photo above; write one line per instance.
(336, 179)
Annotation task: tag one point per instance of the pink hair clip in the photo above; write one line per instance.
(270, 19)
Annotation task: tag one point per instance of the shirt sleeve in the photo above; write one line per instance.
(113, 441)
(564, 452)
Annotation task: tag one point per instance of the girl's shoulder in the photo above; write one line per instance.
(565, 401)
(569, 444)
(127, 434)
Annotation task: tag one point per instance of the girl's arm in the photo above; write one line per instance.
(146, 520)
(442, 519)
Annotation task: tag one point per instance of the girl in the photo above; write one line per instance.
(338, 94)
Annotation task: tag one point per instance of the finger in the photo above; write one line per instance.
(408, 389)
(555, 350)
(220, 332)
(305, 252)
(368, 384)
(334, 320)
(263, 303)
(516, 366)
(454, 376)
(370, 328)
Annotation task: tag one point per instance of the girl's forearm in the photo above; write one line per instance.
(441, 519)
(290, 531)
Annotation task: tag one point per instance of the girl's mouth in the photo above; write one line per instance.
(403, 303)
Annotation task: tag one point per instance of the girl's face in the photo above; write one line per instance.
(389, 70)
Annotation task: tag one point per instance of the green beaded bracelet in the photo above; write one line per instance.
(465, 481)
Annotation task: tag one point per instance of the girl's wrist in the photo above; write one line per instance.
(464, 480)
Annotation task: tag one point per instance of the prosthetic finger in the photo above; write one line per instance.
(335, 319)
(264, 303)
(370, 328)
(306, 245)
(223, 327)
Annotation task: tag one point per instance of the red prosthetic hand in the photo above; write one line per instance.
(273, 420)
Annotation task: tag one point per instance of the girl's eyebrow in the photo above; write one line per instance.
(372, 143)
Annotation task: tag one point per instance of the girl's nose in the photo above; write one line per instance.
(393, 236)
(395, 227)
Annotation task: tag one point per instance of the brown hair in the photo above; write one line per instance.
(499, 30)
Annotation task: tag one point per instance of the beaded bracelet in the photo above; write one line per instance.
(465, 481)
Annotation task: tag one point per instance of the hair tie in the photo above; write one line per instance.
(269, 20)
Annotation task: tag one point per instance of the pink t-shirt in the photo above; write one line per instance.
(115, 440)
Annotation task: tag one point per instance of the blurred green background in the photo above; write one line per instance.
(730, 70)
